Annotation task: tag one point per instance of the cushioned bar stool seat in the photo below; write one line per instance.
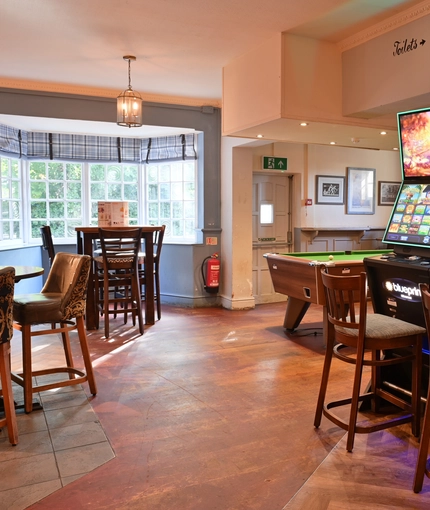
(388, 341)
(62, 302)
(7, 285)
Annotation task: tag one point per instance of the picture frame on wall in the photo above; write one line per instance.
(360, 191)
(387, 192)
(330, 189)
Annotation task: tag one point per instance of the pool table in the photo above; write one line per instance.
(298, 275)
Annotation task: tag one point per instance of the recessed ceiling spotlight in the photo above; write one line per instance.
(383, 132)
(259, 136)
(304, 124)
(395, 148)
(332, 143)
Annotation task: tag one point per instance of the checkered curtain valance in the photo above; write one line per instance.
(64, 146)
(13, 141)
(168, 148)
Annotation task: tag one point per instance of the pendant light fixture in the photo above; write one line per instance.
(129, 103)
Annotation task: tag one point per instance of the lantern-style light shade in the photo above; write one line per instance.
(129, 104)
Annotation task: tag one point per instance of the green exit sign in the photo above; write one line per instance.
(271, 163)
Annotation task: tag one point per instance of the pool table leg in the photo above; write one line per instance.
(296, 309)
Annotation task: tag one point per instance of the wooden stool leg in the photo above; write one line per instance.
(416, 390)
(355, 398)
(67, 351)
(6, 384)
(423, 449)
(27, 372)
(86, 354)
(324, 380)
(157, 294)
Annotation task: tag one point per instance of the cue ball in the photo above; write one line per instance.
(330, 257)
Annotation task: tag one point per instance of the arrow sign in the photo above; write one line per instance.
(272, 163)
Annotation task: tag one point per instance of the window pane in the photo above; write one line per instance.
(37, 190)
(56, 190)
(153, 210)
(176, 197)
(165, 173)
(56, 210)
(56, 197)
(97, 173)
(74, 190)
(97, 191)
(55, 171)
(152, 173)
(38, 210)
(73, 171)
(130, 173)
(178, 209)
(177, 191)
(164, 191)
(152, 192)
(266, 214)
(130, 192)
(74, 210)
(114, 191)
(165, 210)
(114, 173)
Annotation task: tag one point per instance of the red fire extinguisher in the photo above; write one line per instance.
(211, 275)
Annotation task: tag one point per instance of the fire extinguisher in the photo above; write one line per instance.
(211, 275)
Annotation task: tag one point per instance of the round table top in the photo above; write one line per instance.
(23, 272)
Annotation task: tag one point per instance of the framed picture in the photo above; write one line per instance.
(387, 192)
(330, 189)
(361, 191)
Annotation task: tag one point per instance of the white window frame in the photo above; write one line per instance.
(24, 169)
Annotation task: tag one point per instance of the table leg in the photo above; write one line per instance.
(296, 309)
(149, 278)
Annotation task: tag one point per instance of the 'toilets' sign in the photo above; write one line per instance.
(271, 163)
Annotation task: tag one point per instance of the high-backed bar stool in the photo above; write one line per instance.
(350, 326)
(61, 301)
(47, 242)
(117, 279)
(7, 285)
(422, 467)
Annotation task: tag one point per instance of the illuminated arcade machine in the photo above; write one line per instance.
(393, 279)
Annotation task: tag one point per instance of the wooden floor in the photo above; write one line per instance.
(213, 410)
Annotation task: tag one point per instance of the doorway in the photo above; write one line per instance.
(271, 229)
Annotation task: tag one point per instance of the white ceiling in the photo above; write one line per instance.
(181, 46)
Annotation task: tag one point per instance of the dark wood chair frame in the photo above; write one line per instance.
(422, 466)
(345, 296)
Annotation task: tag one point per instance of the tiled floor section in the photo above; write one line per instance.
(56, 446)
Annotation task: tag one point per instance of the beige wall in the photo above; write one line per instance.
(381, 75)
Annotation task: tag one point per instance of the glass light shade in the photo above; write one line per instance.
(129, 109)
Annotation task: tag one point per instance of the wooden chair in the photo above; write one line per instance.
(61, 301)
(423, 451)
(7, 285)
(158, 244)
(47, 242)
(350, 326)
(117, 278)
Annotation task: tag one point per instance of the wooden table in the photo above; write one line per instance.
(24, 272)
(85, 239)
